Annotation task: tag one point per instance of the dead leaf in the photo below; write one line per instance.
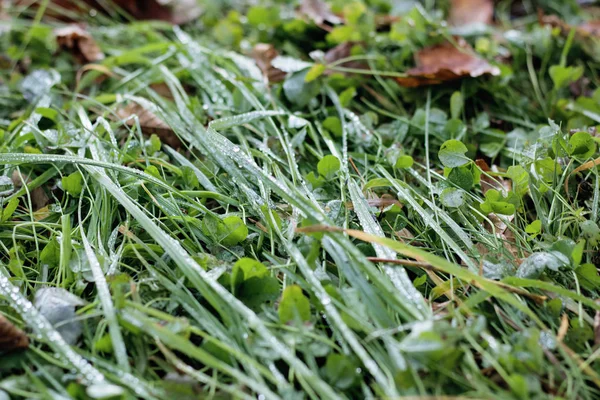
(591, 28)
(563, 328)
(341, 51)
(319, 12)
(11, 337)
(78, 40)
(162, 89)
(383, 202)
(463, 12)
(588, 29)
(149, 122)
(489, 182)
(405, 236)
(263, 54)
(597, 328)
(446, 62)
(173, 11)
(39, 198)
(583, 167)
(384, 21)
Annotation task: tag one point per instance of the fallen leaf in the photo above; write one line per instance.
(597, 328)
(489, 182)
(319, 12)
(563, 328)
(263, 54)
(583, 167)
(381, 203)
(149, 122)
(39, 198)
(587, 29)
(446, 62)
(11, 337)
(78, 40)
(341, 51)
(591, 28)
(384, 21)
(463, 12)
(405, 236)
(173, 11)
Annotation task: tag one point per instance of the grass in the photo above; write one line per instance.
(340, 238)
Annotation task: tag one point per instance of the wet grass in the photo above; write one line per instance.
(248, 262)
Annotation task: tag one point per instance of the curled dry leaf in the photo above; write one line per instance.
(149, 122)
(446, 62)
(263, 54)
(463, 12)
(319, 12)
(11, 337)
(79, 41)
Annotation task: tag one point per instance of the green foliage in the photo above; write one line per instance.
(452, 197)
(298, 89)
(314, 72)
(496, 203)
(563, 76)
(404, 162)
(333, 125)
(453, 154)
(228, 231)
(328, 167)
(189, 226)
(294, 305)
(73, 184)
(50, 254)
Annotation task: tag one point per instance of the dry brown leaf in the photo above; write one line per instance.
(39, 198)
(381, 203)
(585, 30)
(384, 21)
(405, 236)
(597, 328)
(173, 11)
(463, 12)
(446, 62)
(341, 51)
(79, 41)
(162, 89)
(149, 122)
(11, 337)
(583, 167)
(490, 182)
(591, 28)
(263, 54)
(563, 328)
(319, 12)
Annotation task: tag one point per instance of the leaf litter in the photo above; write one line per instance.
(446, 62)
